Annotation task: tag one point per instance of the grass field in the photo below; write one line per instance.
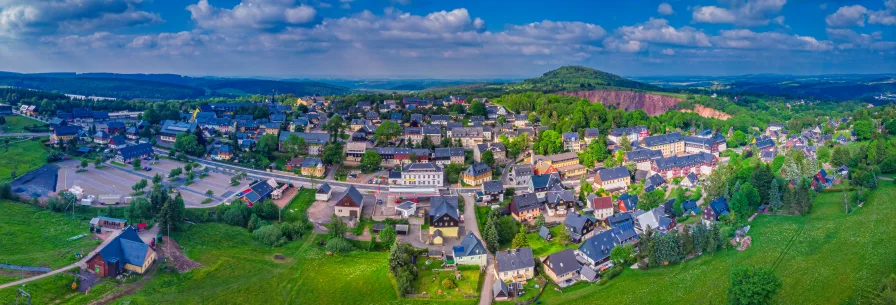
(56, 289)
(542, 248)
(16, 124)
(299, 205)
(430, 281)
(834, 259)
(22, 157)
(38, 237)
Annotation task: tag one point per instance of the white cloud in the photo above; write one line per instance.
(668, 51)
(636, 38)
(665, 9)
(252, 15)
(746, 39)
(23, 18)
(856, 15)
(740, 12)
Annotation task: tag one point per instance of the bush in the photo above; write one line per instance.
(448, 284)
(610, 273)
(270, 235)
(339, 245)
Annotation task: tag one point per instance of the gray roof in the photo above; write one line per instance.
(524, 202)
(310, 137)
(643, 155)
(613, 173)
(514, 259)
(477, 169)
(591, 133)
(662, 139)
(324, 188)
(471, 245)
(354, 194)
(443, 205)
(588, 273)
(562, 262)
(576, 222)
(544, 232)
(449, 152)
(500, 289)
(492, 187)
(555, 197)
(522, 170)
(627, 130)
(683, 161)
(422, 167)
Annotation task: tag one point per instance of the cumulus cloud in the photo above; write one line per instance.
(740, 12)
(252, 15)
(746, 39)
(856, 15)
(636, 38)
(848, 39)
(665, 9)
(24, 18)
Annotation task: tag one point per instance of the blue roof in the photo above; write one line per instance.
(471, 245)
(630, 201)
(127, 248)
(719, 206)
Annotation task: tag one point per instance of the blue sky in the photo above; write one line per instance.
(447, 39)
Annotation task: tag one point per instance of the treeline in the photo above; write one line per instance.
(117, 88)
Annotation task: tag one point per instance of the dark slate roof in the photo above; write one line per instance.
(630, 201)
(477, 169)
(442, 205)
(683, 161)
(576, 222)
(643, 155)
(258, 191)
(692, 177)
(588, 273)
(471, 245)
(133, 151)
(127, 248)
(616, 132)
(310, 137)
(499, 289)
(544, 232)
(524, 202)
(764, 143)
(619, 219)
(655, 180)
(514, 259)
(555, 197)
(522, 170)
(705, 142)
(545, 180)
(598, 247)
(493, 187)
(324, 188)
(613, 173)
(311, 162)
(719, 206)
(563, 262)
(448, 152)
(421, 167)
(115, 125)
(591, 133)
(690, 205)
(662, 139)
(354, 195)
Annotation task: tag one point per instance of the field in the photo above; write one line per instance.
(56, 289)
(429, 281)
(299, 205)
(834, 259)
(16, 124)
(542, 248)
(22, 157)
(37, 237)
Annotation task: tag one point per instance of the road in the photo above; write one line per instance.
(472, 225)
(82, 263)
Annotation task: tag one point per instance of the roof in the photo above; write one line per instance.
(719, 206)
(607, 174)
(555, 197)
(643, 155)
(406, 206)
(588, 273)
(324, 188)
(449, 152)
(690, 205)
(312, 162)
(421, 167)
(616, 132)
(127, 247)
(493, 187)
(258, 192)
(310, 137)
(563, 262)
(522, 170)
(469, 246)
(602, 203)
(134, 151)
(499, 289)
(619, 219)
(599, 246)
(174, 127)
(514, 259)
(443, 205)
(591, 133)
(576, 222)
(683, 161)
(630, 201)
(544, 181)
(354, 195)
(524, 202)
(477, 169)
(655, 180)
(543, 232)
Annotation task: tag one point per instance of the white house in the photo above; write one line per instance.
(323, 193)
(470, 251)
(407, 209)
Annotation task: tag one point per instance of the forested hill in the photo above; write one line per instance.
(161, 86)
(574, 78)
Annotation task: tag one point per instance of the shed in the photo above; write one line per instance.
(402, 229)
(544, 233)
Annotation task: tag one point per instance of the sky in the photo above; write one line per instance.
(447, 39)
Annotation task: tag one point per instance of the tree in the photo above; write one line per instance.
(478, 108)
(157, 178)
(188, 167)
(762, 179)
(191, 176)
(187, 143)
(488, 157)
(295, 145)
(270, 235)
(387, 131)
(97, 161)
(841, 156)
(174, 173)
(336, 228)
(650, 200)
(548, 143)
(136, 164)
(823, 153)
(333, 153)
(539, 221)
(749, 285)
(387, 235)
(774, 195)
(491, 235)
(169, 216)
(84, 163)
(267, 144)
(562, 237)
(863, 129)
(520, 240)
(625, 142)
(209, 193)
(139, 186)
(255, 223)
(334, 126)
(370, 161)
(140, 209)
(622, 254)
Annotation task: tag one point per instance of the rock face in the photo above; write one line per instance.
(708, 112)
(653, 104)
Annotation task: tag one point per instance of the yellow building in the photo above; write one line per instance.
(477, 174)
(444, 219)
(313, 167)
(669, 144)
(566, 164)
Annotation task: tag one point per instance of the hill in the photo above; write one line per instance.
(574, 78)
(161, 86)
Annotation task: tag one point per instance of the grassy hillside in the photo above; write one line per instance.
(37, 237)
(566, 78)
(834, 259)
(21, 156)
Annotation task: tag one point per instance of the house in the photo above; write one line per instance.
(416, 135)
(655, 219)
(499, 152)
(679, 166)
(716, 208)
(444, 156)
(558, 201)
(471, 251)
(690, 207)
(477, 174)
(500, 291)
(126, 252)
(591, 134)
(101, 137)
(521, 174)
(406, 209)
(764, 143)
(109, 222)
(423, 174)
(323, 192)
(314, 141)
(588, 274)
(515, 265)
(350, 204)
(170, 130)
(313, 167)
(541, 184)
(654, 181)
(627, 203)
(566, 164)
(632, 133)
(624, 219)
(128, 153)
(822, 180)
(524, 207)
(768, 155)
(579, 226)
(602, 206)
(223, 153)
(613, 179)
(713, 144)
(689, 181)
(843, 171)
(257, 192)
(669, 144)
(642, 157)
(469, 136)
(562, 267)
(294, 163)
(493, 191)
(545, 233)
(571, 141)
(595, 251)
(64, 133)
(444, 218)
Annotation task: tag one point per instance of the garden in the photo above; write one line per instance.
(438, 283)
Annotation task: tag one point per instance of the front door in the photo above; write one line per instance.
(353, 213)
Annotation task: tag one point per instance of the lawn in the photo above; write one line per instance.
(834, 259)
(22, 157)
(16, 124)
(56, 289)
(299, 204)
(542, 248)
(38, 237)
(430, 280)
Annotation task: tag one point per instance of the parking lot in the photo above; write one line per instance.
(118, 180)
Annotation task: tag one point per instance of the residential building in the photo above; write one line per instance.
(515, 265)
(634, 134)
(669, 144)
(351, 203)
(415, 135)
(444, 218)
(557, 202)
(613, 179)
(642, 157)
(591, 135)
(469, 136)
(716, 208)
(64, 133)
(541, 184)
(323, 192)
(654, 219)
(499, 152)
(423, 174)
(258, 192)
(406, 209)
(129, 153)
(627, 202)
(444, 156)
(595, 251)
(170, 130)
(402, 156)
(712, 145)
(313, 167)
(521, 174)
(126, 252)
(493, 191)
(579, 226)
(572, 142)
(602, 206)
(223, 153)
(562, 267)
(471, 251)
(477, 174)
(525, 207)
(679, 166)
(101, 137)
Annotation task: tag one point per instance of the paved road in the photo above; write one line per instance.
(82, 263)
(472, 225)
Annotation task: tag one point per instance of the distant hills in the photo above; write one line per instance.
(575, 78)
(161, 86)
(829, 87)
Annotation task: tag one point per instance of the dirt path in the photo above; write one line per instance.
(170, 250)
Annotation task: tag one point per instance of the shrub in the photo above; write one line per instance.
(270, 235)
(339, 245)
(448, 284)
(610, 273)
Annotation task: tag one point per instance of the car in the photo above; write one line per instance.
(379, 201)
(147, 168)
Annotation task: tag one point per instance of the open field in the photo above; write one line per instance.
(36, 237)
(430, 280)
(56, 289)
(542, 248)
(834, 259)
(22, 157)
(299, 205)
(16, 124)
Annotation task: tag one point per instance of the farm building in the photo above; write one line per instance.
(125, 252)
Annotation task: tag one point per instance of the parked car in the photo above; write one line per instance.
(379, 201)
(147, 168)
